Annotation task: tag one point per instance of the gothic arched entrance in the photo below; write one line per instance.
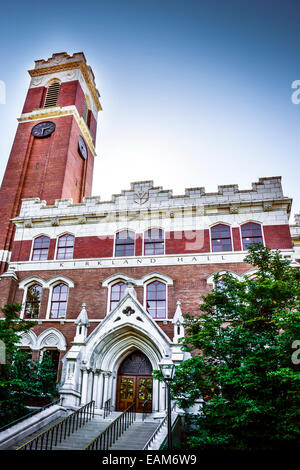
(135, 383)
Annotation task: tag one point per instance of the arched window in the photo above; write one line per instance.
(154, 242)
(156, 299)
(125, 243)
(40, 248)
(251, 233)
(33, 300)
(65, 247)
(116, 294)
(52, 94)
(59, 301)
(221, 238)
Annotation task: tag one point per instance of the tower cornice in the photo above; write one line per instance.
(70, 66)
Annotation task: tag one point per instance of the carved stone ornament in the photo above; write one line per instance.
(141, 197)
(55, 222)
(28, 223)
(267, 206)
(128, 311)
(82, 219)
(233, 209)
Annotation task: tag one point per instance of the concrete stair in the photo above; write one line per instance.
(79, 439)
(22, 441)
(136, 436)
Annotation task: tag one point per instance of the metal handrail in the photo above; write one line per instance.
(32, 413)
(111, 434)
(49, 438)
(107, 408)
(145, 411)
(162, 423)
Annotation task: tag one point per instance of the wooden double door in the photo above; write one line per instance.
(135, 383)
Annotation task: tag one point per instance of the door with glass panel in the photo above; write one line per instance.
(135, 383)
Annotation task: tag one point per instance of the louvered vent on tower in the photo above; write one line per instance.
(52, 95)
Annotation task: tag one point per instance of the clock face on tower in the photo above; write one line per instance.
(43, 129)
(82, 148)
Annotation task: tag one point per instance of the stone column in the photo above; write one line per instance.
(84, 389)
(99, 401)
(155, 392)
(90, 385)
(162, 396)
(106, 387)
(95, 387)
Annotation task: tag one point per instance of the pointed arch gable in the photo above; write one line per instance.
(118, 277)
(52, 338)
(156, 276)
(28, 339)
(210, 278)
(65, 280)
(32, 280)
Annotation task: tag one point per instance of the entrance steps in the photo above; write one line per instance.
(136, 436)
(20, 442)
(81, 438)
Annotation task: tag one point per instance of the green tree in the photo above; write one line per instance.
(242, 365)
(20, 378)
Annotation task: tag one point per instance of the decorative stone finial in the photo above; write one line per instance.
(82, 318)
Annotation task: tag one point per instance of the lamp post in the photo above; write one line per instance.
(167, 368)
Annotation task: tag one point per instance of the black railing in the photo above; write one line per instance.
(61, 430)
(115, 430)
(146, 409)
(107, 408)
(162, 423)
(28, 415)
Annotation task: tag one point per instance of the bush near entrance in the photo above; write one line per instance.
(245, 372)
(21, 379)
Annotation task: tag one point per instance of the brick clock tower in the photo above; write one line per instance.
(52, 156)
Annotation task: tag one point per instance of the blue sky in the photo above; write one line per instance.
(194, 93)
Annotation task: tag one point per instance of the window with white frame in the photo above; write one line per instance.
(117, 292)
(59, 300)
(65, 246)
(125, 243)
(156, 299)
(251, 233)
(154, 242)
(33, 301)
(221, 238)
(40, 248)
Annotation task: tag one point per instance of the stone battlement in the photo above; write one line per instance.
(144, 195)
